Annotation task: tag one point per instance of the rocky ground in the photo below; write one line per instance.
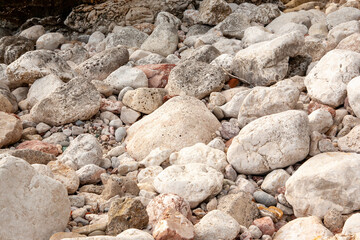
(182, 120)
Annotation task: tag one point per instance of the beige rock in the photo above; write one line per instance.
(145, 100)
(50, 41)
(10, 129)
(303, 229)
(349, 142)
(200, 153)
(134, 234)
(352, 224)
(66, 175)
(195, 182)
(213, 226)
(263, 144)
(8, 102)
(213, 12)
(33, 33)
(76, 100)
(316, 192)
(62, 235)
(36, 202)
(159, 204)
(180, 122)
(37, 64)
(353, 95)
(173, 225)
(320, 120)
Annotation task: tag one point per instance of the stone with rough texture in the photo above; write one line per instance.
(12, 47)
(200, 153)
(303, 229)
(240, 206)
(342, 15)
(39, 146)
(32, 156)
(134, 234)
(173, 225)
(263, 144)
(256, 34)
(320, 120)
(266, 225)
(102, 64)
(119, 186)
(351, 43)
(327, 81)
(350, 142)
(8, 102)
(90, 174)
(126, 213)
(342, 31)
(36, 202)
(37, 64)
(234, 25)
(163, 40)
(293, 17)
(126, 36)
(83, 150)
(159, 204)
(316, 192)
(10, 129)
(178, 123)
(262, 14)
(213, 12)
(353, 95)
(66, 175)
(33, 32)
(144, 100)
(126, 76)
(50, 41)
(158, 74)
(205, 181)
(76, 100)
(42, 88)
(196, 79)
(104, 15)
(262, 101)
(265, 63)
(212, 226)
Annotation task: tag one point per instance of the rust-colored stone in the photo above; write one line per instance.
(40, 146)
(233, 82)
(315, 105)
(157, 74)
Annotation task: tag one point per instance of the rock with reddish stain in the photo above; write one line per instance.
(159, 204)
(157, 74)
(266, 225)
(173, 225)
(40, 146)
(111, 106)
(315, 105)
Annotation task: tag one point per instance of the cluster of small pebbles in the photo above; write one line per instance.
(190, 120)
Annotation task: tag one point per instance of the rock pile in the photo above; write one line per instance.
(188, 120)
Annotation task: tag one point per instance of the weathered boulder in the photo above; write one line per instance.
(36, 202)
(265, 63)
(8, 102)
(263, 144)
(126, 36)
(37, 64)
(327, 81)
(213, 12)
(76, 100)
(353, 95)
(195, 182)
(316, 192)
(12, 47)
(10, 129)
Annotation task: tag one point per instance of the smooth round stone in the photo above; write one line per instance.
(116, 123)
(123, 91)
(120, 133)
(264, 198)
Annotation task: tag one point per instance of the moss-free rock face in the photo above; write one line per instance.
(126, 213)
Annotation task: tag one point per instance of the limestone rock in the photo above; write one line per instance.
(102, 64)
(196, 79)
(76, 100)
(205, 181)
(352, 224)
(327, 81)
(353, 95)
(320, 120)
(83, 150)
(342, 15)
(144, 100)
(172, 126)
(213, 12)
(303, 229)
(126, 36)
(8, 102)
(240, 206)
(12, 47)
(266, 63)
(349, 142)
(33, 32)
(126, 213)
(37, 64)
(158, 74)
(36, 202)
(126, 76)
(263, 144)
(163, 40)
(212, 226)
(50, 41)
(10, 129)
(39, 146)
(262, 101)
(121, 186)
(316, 192)
(134, 234)
(351, 43)
(200, 153)
(66, 175)
(234, 25)
(90, 174)
(275, 180)
(160, 203)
